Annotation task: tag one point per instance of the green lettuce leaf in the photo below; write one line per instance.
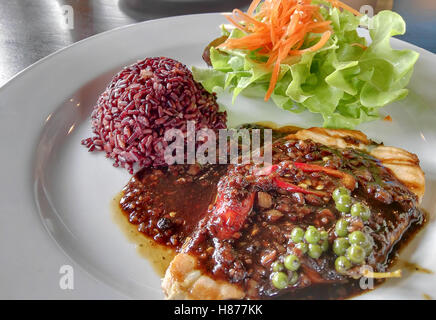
(343, 82)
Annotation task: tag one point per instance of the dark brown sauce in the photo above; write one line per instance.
(166, 205)
(411, 233)
(187, 202)
(335, 291)
(159, 256)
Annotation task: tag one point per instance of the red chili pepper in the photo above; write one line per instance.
(266, 171)
(347, 179)
(229, 217)
(293, 188)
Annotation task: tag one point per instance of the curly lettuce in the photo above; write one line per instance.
(346, 82)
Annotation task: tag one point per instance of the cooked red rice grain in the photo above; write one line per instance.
(140, 103)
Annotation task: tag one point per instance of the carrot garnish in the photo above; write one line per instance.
(339, 4)
(274, 77)
(253, 6)
(324, 38)
(279, 30)
(356, 44)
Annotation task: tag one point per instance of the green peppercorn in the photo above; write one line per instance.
(360, 210)
(365, 214)
(357, 237)
(297, 235)
(315, 251)
(340, 191)
(340, 246)
(294, 278)
(342, 264)
(302, 247)
(279, 280)
(341, 228)
(343, 203)
(292, 262)
(324, 235)
(356, 209)
(324, 245)
(356, 254)
(312, 235)
(277, 266)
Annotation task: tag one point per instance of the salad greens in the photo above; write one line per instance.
(347, 81)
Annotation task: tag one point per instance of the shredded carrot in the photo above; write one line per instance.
(388, 118)
(356, 44)
(279, 29)
(253, 6)
(339, 4)
(324, 38)
(274, 77)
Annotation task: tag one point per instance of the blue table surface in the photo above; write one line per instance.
(421, 24)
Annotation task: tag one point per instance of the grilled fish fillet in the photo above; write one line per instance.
(184, 281)
(403, 164)
(183, 278)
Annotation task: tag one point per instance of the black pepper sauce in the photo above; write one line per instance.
(169, 205)
(246, 258)
(166, 204)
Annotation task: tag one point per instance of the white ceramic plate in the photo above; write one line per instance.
(51, 185)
